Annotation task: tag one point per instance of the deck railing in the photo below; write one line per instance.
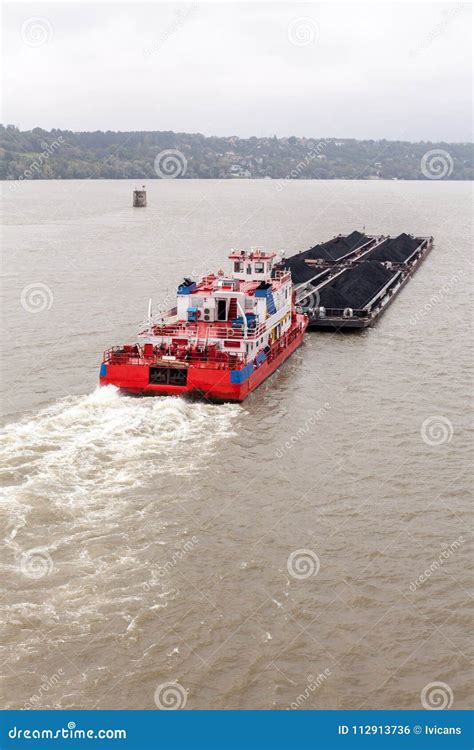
(333, 312)
(208, 357)
(195, 358)
(203, 332)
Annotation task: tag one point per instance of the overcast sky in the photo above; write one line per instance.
(396, 71)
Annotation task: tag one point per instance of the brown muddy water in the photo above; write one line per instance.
(309, 548)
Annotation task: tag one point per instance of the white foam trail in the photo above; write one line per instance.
(85, 451)
(85, 480)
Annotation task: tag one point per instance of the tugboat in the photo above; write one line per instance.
(225, 336)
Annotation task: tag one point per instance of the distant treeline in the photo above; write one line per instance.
(62, 154)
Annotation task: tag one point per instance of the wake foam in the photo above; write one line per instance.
(86, 450)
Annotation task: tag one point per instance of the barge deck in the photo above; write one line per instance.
(350, 281)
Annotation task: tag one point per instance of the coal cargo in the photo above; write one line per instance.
(340, 246)
(356, 286)
(397, 250)
(332, 250)
(356, 277)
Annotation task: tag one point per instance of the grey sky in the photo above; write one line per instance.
(379, 70)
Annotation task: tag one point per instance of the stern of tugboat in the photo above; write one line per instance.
(138, 373)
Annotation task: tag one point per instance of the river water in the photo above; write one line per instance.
(309, 548)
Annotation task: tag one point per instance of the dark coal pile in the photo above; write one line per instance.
(396, 250)
(339, 246)
(332, 250)
(300, 272)
(356, 286)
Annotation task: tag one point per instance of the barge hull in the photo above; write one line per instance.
(368, 316)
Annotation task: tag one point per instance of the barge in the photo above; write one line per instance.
(225, 336)
(350, 281)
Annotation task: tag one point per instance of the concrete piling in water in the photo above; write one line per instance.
(139, 197)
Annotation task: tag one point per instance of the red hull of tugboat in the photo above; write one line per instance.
(213, 383)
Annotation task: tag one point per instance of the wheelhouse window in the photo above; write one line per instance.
(259, 267)
(238, 266)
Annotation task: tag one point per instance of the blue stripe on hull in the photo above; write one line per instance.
(240, 376)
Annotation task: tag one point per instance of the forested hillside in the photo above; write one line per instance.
(63, 154)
